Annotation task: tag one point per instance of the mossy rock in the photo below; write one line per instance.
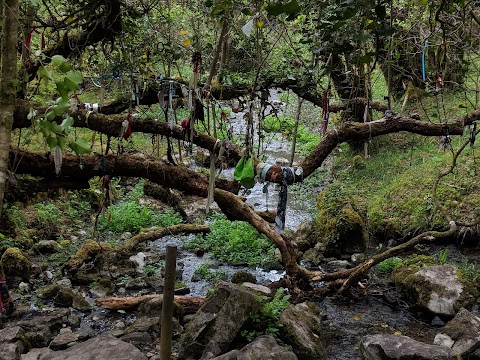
(340, 223)
(243, 276)
(88, 251)
(16, 263)
(439, 289)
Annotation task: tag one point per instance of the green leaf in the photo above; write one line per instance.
(81, 146)
(57, 129)
(43, 73)
(50, 115)
(72, 80)
(61, 142)
(61, 107)
(61, 63)
(76, 77)
(62, 89)
(52, 141)
(65, 67)
(70, 85)
(68, 122)
(58, 60)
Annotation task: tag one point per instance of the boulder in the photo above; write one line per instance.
(137, 338)
(12, 343)
(302, 330)
(243, 276)
(398, 347)
(218, 321)
(64, 296)
(99, 348)
(144, 324)
(40, 329)
(262, 348)
(16, 263)
(340, 224)
(437, 289)
(64, 339)
(461, 334)
(259, 289)
(48, 247)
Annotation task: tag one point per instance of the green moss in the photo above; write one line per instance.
(16, 263)
(340, 223)
(88, 250)
(396, 184)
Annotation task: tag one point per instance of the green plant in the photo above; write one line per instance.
(153, 269)
(124, 280)
(234, 242)
(206, 273)
(16, 217)
(168, 218)
(388, 265)
(469, 271)
(267, 321)
(442, 256)
(129, 215)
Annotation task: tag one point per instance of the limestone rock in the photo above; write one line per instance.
(66, 297)
(398, 347)
(144, 324)
(100, 348)
(48, 247)
(16, 263)
(12, 343)
(461, 334)
(36, 354)
(262, 348)
(137, 338)
(259, 289)
(437, 289)
(63, 339)
(218, 321)
(302, 330)
(40, 329)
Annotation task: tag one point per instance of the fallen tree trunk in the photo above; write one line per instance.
(112, 125)
(133, 165)
(190, 303)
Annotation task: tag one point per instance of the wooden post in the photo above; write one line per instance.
(167, 306)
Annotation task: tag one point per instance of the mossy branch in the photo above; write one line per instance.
(354, 275)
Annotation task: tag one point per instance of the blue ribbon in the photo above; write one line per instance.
(423, 61)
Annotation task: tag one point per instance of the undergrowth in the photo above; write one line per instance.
(235, 243)
(129, 215)
(267, 321)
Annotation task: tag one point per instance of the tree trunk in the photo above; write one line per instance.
(216, 54)
(8, 64)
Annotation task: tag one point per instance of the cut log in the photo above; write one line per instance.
(190, 303)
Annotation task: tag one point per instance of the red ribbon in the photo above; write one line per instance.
(129, 130)
(28, 39)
